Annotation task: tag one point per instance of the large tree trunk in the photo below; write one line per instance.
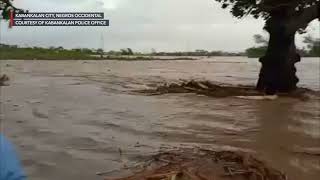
(278, 72)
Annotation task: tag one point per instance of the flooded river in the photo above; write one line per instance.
(72, 119)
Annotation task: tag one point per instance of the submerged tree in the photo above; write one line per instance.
(283, 18)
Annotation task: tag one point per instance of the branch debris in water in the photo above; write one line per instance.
(199, 164)
(219, 91)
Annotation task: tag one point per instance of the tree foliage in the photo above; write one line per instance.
(127, 51)
(313, 45)
(259, 39)
(264, 8)
(260, 50)
(41, 53)
(5, 7)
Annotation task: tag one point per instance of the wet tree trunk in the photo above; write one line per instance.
(278, 72)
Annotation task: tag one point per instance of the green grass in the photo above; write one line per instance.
(16, 53)
(256, 52)
(42, 54)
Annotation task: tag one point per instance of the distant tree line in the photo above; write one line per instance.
(129, 51)
(52, 48)
(312, 48)
(123, 52)
(51, 53)
(198, 52)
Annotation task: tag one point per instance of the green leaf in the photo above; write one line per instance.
(225, 6)
(5, 14)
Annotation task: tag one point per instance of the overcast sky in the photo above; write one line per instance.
(165, 25)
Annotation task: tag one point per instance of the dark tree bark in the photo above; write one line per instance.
(278, 65)
(278, 72)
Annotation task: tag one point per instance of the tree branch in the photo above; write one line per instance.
(9, 3)
(270, 8)
(304, 17)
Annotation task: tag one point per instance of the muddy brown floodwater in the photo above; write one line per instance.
(72, 119)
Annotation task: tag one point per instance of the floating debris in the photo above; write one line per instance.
(200, 164)
(4, 80)
(223, 90)
(311, 151)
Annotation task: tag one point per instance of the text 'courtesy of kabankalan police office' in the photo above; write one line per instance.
(60, 19)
